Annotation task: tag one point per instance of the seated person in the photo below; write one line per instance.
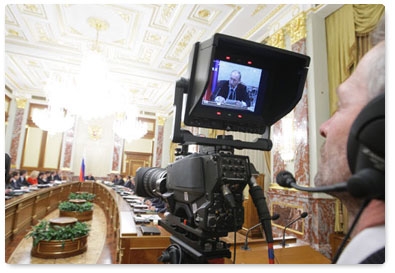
(115, 179)
(119, 180)
(14, 181)
(130, 183)
(42, 179)
(22, 181)
(48, 177)
(53, 176)
(90, 177)
(57, 176)
(156, 204)
(33, 178)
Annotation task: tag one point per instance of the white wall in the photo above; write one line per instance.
(139, 145)
(98, 153)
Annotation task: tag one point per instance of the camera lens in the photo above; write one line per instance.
(150, 182)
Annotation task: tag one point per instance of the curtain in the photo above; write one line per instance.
(341, 48)
(366, 18)
(347, 34)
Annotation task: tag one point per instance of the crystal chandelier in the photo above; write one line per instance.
(128, 127)
(95, 95)
(91, 95)
(52, 119)
(55, 118)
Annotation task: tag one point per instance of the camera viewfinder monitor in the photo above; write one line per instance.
(239, 85)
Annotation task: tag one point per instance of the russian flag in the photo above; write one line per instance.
(82, 171)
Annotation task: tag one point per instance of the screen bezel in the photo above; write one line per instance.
(285, 71)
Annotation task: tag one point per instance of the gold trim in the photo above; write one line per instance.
(258, 9)
(296, 28)
(21, 103)
(277, 39)
(161, 120)
(264, 21)
(98, 24)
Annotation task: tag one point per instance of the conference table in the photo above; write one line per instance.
(292, 254)
(132, 246)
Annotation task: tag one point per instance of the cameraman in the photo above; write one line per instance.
(367, 243)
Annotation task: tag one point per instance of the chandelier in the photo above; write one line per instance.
(55, 118)
(91, 95)
(128, 127)
(96, 95)
(52, 119)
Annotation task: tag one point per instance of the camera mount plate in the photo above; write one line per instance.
(196, 247)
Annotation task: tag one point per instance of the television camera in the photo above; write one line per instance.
(204, 190)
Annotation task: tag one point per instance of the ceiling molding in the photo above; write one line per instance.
(147, 46)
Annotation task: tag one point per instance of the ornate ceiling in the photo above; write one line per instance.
(147, 46)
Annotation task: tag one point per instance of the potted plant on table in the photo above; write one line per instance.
(78, 208)
(82, 195)
(52, 240)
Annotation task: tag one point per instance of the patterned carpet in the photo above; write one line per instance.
(96, 241)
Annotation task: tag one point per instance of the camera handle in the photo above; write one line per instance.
(185, 137)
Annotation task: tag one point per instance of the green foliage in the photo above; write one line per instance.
(69, 206)
(44, 231)
(84, 195)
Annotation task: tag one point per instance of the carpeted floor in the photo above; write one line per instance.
(96, 241)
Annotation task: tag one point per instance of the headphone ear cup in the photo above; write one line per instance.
(366, 141)
(367, 183)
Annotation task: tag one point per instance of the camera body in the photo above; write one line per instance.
(204, 191)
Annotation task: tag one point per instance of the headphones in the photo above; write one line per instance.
(366, 151)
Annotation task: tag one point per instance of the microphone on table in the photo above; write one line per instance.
(245, 246)
(302, 215)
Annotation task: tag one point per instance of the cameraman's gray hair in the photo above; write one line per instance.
(377, 72)
(378, 34)
(377, 69)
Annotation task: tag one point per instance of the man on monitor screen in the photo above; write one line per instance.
(232, 91)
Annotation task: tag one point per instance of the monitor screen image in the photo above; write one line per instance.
(234, 86)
